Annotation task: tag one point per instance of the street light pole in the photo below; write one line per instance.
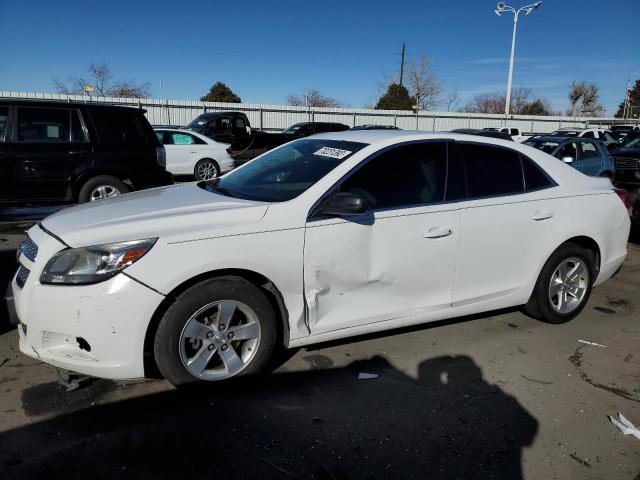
(502, 7)
(507, 104)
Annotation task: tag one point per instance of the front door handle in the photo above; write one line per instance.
(438, 232)
(193, 151)
(542, 215)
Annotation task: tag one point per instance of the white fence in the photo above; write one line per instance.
(279, 117)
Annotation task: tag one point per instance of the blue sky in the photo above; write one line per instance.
(267, 50)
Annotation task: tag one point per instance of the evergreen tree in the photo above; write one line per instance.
(219, 92)
(396, 98)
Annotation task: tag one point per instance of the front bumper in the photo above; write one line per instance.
(97, 330)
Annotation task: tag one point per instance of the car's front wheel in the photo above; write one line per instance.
(206, 169)
(218, 329)
(564, 285)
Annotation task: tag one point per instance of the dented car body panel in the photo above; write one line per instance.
(335, 276)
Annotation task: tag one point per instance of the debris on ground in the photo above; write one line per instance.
(367, 376)
(592, 343)
(72, 380)
(625, 426)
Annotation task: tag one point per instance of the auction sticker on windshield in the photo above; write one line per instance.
(333, 152)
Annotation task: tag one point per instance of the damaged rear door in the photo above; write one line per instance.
(396, 261)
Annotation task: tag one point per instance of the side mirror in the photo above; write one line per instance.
(345, 204)
(567, 159)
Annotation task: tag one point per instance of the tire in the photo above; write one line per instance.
(564, 305)
(206, 169)
(102, 186)
(194, 345)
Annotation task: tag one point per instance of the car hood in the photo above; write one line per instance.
(176, 210)
(626, 152)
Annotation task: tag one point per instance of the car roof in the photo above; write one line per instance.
(374, 137)
(66, 104)
(561, 139)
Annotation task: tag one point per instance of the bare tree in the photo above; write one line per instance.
(494, 102)
(423, 84)
(584, 100)
(451, 100)
(101, 79)
(313, 98)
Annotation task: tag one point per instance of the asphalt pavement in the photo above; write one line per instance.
(498, 395)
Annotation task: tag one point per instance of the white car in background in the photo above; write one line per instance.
(513, 132)
(597, 133)
(326, 237)
(191, 153)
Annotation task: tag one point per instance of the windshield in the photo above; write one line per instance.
(621, 128)
(293, 128)
(286, 172)
(631, 141)
(197, 122)
(544, 145)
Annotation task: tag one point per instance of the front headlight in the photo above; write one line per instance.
(86, 265)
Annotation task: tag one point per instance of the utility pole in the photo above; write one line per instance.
(402, 63)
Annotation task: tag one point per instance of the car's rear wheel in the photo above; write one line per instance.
(564, 285)
(216, 330)
(101, 187)
(206, 169)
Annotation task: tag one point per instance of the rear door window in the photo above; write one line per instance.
(118, 126)
(4, 119)
(491, 171)
(181, 139)
(43, 125)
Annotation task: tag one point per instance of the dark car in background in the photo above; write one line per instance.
(627, 160)
(305, 129)
(374, 127)
(621, 130)
(54, 152)
(586, 155)
(247, 143)
(485, 132)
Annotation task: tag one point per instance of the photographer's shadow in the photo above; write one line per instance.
(448, 423)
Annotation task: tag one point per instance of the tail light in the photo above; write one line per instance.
(625, 196)
(161, 157)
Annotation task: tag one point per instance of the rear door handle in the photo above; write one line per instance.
(193, 151)
(542, 215)
(438, 232)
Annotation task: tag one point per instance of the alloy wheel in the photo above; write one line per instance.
(568, 285)
(207, 171)
(102, 192)
(220, 340)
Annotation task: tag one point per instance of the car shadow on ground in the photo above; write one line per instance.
(447, 423)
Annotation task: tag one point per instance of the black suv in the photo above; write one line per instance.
(75, 152)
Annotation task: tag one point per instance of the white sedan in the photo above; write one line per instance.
(194, 154)
(325, 237)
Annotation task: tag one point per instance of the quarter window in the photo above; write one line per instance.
(491, 171)
(77, 132)
(118, 126)
(534, 177)
(404, 176)
(49, 125)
